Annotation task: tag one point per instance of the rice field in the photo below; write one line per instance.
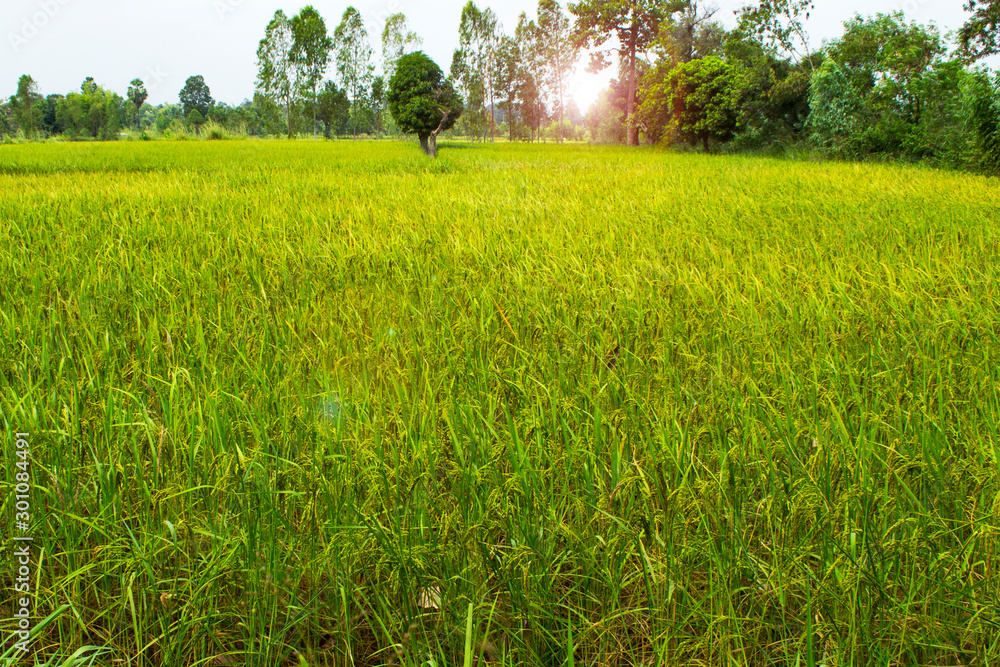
(298, 403)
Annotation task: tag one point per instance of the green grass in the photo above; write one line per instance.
(336, 404)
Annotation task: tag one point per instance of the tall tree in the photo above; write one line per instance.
(25, 113)
(422, 101)
(636, 24)
(474, 63)
(561, 53)
(506, 75)
(531, 47)
(354, 60)
(277, 76)
(310, 53)
(196, 96)
(397, 40)
(980, 36)
(378, 102)
(137, 95)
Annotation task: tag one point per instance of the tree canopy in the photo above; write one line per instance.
(980, 37)
(422, 101)
(196, 96)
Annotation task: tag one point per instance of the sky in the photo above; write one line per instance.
(61, 42)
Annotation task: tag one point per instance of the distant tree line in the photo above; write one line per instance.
(887, 88)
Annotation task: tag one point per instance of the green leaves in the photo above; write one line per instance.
(354, 58)
(196, 96)
(421, 100)
(980, 36)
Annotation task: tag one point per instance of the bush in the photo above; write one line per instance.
(214, 132)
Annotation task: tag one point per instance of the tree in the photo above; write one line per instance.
(506, 75)
(887, 63)
(334, 108)
(560, 53)
(93, 112)
(378, 102)
(397, 39)
(50, 110)
(980, 36)
(694, 101)
(473, 68)
(839, 114)
(196, 96)
(531, 73)
(354, 60)
(422, 101)
(137, 95)
(636, 24)
(310, 52)
(23, 105)
(277, 76)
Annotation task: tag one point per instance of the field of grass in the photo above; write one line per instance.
(337, 404)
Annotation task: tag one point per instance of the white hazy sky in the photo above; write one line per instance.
(61, 42)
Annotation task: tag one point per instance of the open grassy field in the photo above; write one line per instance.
(337, 404)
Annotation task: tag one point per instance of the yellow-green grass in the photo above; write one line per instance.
(334, 403)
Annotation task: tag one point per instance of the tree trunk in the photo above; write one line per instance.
(288, 109)
(562, 107)
(510, 114)
(425, 143)
(315, 98)
(632, 132)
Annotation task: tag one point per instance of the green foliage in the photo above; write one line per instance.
(92, 113)
(421, 100)
(196, 96)
(196, 120)
(692, 102)
(137, 93)
(310, 53)
(981, 97)
(980, 36)
(277, 75)
(354, 62)
(606, 117)
(334, 109)
(839, 116)
(890, 93)
(23, 105)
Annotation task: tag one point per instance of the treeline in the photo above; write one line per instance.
(887, 88)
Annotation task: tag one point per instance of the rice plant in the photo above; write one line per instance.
(336, 404)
